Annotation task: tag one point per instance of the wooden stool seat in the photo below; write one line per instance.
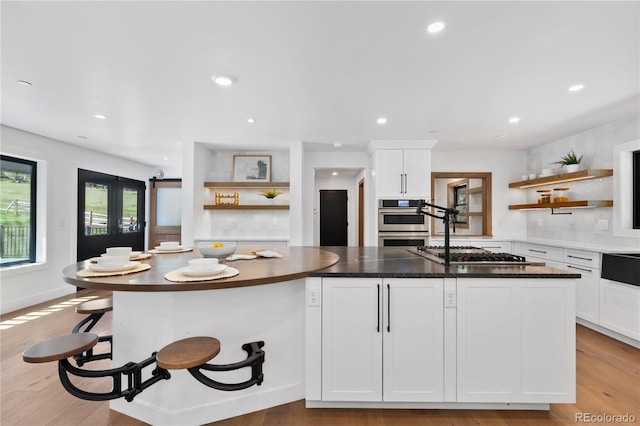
(98, 306)
(60, 347)
(188, 353)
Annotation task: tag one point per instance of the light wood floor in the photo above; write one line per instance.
(608, 382)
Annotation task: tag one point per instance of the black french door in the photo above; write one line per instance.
(111, 213)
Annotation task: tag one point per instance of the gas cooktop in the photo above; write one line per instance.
(464, 255)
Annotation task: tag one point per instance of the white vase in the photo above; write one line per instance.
(572, 168)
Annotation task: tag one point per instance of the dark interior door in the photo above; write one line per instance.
(111, 213)
(333, 217)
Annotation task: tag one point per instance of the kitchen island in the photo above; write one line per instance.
(324, 315)
(386, 328)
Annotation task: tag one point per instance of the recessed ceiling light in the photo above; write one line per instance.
(576, 87)
(514, 120)
(100, 116)
(337, 145)
(23, 83)
(81, 137)
(381, 120)
(335, 173)
(223, 80)
(435, 27)
(165, 158)
(251, 120)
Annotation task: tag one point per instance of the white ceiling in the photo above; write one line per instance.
(318, 72)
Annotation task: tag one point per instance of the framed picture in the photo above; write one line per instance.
(251, 168)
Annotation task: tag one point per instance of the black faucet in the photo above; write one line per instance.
(446, 218)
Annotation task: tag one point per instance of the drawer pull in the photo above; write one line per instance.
(581, 258)
(538, 251)
(579, 269)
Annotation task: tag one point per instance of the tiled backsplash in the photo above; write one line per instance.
(585, 225)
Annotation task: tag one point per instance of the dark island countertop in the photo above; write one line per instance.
(398, 262)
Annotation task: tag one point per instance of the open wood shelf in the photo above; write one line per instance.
(566, 205)
(246, 207)
(563, 178)
(246, 185)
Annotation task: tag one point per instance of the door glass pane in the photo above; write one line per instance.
(130, 211)
(96, 202)
(169, 207)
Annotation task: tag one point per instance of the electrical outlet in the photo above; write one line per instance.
(313, 297)
(449, 298)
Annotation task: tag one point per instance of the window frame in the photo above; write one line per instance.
(32, 211)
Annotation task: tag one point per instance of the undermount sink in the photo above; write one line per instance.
(621, 267)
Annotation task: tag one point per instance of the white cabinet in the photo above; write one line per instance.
(382, 340)
(619, 307)
(587, 264)
(402, 173)
(509, 343)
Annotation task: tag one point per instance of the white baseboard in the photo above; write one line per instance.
(609, 333)
(8, 306)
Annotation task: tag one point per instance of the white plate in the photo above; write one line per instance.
(168, 249)
(125, 267)
(217, 269)
(135, 253)
(268, 253)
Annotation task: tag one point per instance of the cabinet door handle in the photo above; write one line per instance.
(401, 184)
(538, 251)
(579, 269)
(378, 327)
(581, 258)
(388, 308)
(405, 184)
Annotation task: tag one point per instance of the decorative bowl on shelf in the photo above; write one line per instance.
(217, 249)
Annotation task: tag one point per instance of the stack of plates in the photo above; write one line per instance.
(214, 270)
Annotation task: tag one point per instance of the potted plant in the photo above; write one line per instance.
(270, 194)
(571, 160)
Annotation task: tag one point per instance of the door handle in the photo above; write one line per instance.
(405, 184)
(401, 184)
(388, 308)
(378, 327)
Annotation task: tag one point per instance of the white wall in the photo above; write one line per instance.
(505, 167)
(58, 165)
(584, 225)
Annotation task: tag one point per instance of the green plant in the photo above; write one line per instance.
(270, 193)
(569, 158)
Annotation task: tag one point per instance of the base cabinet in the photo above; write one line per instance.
(619, 308)
(515, 341)
(382, 340)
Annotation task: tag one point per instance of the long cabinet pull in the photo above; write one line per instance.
(401, 184)
(538, 251)
(579, 269)
(378, 327)
(581, 258)
(388, 308)
(405, 184)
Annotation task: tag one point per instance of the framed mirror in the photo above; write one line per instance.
(470, 194)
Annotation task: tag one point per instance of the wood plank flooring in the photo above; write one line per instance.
(608, 382)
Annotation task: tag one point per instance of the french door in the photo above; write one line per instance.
(111, 213)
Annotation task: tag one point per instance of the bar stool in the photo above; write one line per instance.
(63, 347)
(95, 309)
(193, 353)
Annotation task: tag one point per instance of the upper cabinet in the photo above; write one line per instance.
(402, 173)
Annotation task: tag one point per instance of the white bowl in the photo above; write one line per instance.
(118, 251)
(532, 176)
(113, 261)
(207, 251)
(166, 245)
(524, 177)
(204, 264)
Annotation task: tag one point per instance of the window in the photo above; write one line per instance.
(17, 211)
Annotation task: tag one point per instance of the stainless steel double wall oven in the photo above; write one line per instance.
(400, 225)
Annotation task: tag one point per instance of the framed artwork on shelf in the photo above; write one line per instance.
(251, 168)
